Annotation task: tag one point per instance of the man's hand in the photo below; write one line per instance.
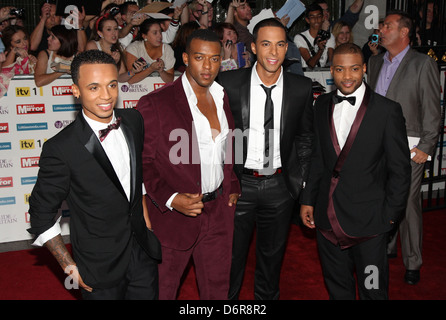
(4, 13)
(136, 19)
(420, 157)
(321, 44)
(306, 214)
(188, 204)
(233, 198)
(285, 20)
(178, 10)
(73, 272)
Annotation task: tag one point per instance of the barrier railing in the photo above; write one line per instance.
(434, 181)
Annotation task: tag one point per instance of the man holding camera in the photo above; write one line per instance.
(315, 45)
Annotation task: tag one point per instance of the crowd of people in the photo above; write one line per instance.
(142, 45)
(352, 177)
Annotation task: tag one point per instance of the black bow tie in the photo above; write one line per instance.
(104, 132)
(339, 99)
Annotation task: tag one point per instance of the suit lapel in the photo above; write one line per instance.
(93, 145)
(286, 101)
(376, 71)
(342, 154)
(182, 104)
(397, 78)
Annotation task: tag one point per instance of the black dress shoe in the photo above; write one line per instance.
(412, 276)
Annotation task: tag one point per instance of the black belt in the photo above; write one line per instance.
(212, 195)
(256, 173)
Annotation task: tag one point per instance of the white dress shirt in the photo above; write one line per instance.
(344, 114)
(116, 148)
(212, 152)
(256, 140)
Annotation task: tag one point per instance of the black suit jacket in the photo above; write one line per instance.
(374, 180)
(296, 134)
(75, 167)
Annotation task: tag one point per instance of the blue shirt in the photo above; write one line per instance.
(388, 70)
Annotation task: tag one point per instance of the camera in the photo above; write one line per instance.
(323, 35)
(114, 11)
(17, 12)
(374, 38)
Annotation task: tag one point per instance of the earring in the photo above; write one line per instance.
(145, 39)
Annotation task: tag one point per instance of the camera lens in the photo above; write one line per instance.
(114, 11)
(17, 12)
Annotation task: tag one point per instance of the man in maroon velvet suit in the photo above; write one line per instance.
(188, 171)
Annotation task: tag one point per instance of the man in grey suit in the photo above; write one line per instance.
(413, 80)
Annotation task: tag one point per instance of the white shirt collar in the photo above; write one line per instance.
(256, 81)
(359, 93)
(96, 125)
(215, 89)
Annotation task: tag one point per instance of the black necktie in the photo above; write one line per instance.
(104, 132)
(268, 125)
(339, 99)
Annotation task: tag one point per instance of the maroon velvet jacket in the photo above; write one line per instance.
(165, 111)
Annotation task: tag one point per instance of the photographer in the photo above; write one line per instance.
(8, 16)
(373, 46)
(315, 45)
(49, 19)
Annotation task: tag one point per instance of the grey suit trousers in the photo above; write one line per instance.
(410, 227)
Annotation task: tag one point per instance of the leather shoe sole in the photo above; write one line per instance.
(412, 276)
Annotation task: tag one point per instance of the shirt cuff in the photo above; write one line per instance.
(169, 202)
(48, 234)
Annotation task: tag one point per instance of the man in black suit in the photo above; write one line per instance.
(100, 176)
(271, 172)
(358, 182)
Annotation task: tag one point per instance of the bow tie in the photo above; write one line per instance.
(104, 132)
(339, 99)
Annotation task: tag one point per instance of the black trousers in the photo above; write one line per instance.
(266, 205)
(140, 281)
(368, 259)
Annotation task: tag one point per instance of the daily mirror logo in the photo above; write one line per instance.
(4, 127)
(30, 162)
(128, 104)
(6, 182)
(62, 91)
(30, 108)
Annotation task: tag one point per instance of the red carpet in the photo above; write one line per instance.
(35, 275)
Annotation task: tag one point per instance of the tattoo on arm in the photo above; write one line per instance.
(58, 249)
